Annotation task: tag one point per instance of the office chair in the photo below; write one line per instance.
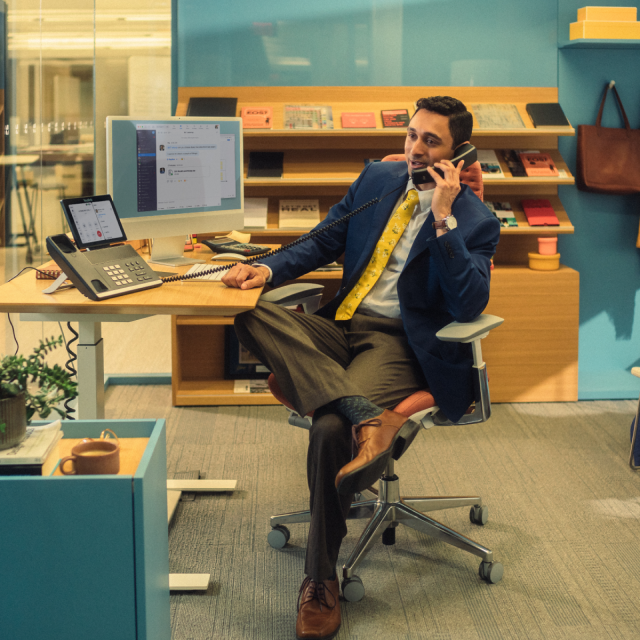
(386, 509)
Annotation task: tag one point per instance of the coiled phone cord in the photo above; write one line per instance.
(273, 252)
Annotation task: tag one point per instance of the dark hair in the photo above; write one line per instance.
(460, 120)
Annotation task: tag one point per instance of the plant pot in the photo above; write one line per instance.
(13, 412)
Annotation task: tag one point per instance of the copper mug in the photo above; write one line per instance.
(91, 457)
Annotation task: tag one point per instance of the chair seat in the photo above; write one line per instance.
(418, 401)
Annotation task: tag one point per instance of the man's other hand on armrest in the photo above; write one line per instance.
(246, 276)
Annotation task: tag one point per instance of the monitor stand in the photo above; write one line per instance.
(168, 251)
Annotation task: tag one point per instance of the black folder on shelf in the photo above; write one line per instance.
(212, 107)
(547, 114)
(265, 164)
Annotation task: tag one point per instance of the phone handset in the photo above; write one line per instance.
(465, 151)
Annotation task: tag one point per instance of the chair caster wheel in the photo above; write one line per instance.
(491, 572)
(479, 515)
(278, 536)
(352, 589)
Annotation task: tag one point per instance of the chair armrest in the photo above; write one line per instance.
(469, 331)
(292, 293)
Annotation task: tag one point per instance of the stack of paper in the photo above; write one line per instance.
(29, 456)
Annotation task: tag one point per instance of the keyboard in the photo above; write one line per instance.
(212, 277)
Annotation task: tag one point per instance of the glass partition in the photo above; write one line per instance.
(66, 66)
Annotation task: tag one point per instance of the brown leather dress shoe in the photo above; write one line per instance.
(319, 614)
(388, 435)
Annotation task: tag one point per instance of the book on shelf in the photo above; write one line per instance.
(539, 213)
(358, 120)
(513, 162)
(489, 164)
(255, 213)
(299, 214)
(539, 164)
(33, 449)
(257, 117)
(208, 107)
(547, 114)
(395, 118)
(504, 212)
(307, 117)
(265, 164)
(497, 116)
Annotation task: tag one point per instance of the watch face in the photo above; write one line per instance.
(450, 222)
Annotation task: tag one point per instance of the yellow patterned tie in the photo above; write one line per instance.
(381, 254)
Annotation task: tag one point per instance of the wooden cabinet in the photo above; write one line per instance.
(323, 164)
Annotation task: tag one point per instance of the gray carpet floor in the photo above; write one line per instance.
(564, 519)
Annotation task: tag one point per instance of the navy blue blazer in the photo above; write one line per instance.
(444, 279)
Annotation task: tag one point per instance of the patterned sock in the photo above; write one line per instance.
(355, 408)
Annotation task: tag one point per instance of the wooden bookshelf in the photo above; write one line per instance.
(323, 164)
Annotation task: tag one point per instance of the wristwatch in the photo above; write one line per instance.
(449, 223)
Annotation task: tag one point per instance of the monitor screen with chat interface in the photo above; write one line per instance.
(173, 177)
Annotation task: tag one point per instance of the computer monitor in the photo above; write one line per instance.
(173, 177)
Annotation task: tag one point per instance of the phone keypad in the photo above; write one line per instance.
(123, 275)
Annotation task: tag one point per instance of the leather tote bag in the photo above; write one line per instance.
(608, 160)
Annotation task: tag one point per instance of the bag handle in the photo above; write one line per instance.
(608, 86)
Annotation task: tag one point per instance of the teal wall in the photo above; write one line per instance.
(452, 43)
(603, 247)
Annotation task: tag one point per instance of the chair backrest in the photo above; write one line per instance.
(471, 176)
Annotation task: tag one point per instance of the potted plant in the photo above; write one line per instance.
(29, 386)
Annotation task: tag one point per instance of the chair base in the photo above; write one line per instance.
(388, 510)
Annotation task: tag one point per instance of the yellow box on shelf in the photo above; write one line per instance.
(604, 30)
(624, 14)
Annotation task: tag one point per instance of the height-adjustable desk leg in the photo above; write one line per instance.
(91, 364)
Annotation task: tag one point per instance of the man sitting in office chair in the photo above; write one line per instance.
(417, 260)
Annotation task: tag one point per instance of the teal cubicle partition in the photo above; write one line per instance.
(88, 556)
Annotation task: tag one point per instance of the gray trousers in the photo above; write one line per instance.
(315, 361)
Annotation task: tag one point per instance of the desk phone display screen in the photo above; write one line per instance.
(94, 222)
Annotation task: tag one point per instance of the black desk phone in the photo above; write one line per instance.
(465, 151)
(103, 271)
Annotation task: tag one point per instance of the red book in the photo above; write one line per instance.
(359, 120)
(540, 213)
(539, 164)
(257, 117)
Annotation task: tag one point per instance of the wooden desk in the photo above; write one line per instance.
(24, 295)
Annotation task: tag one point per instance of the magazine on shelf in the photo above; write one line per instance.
(497, 116)
(539, 164)
(513, 162)
(301, 116)
(358, 120)
(489, 164)
(504, 212)
(395, 118)
(255, 213)
(299, 214)
(34, 447)
(257, 117)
